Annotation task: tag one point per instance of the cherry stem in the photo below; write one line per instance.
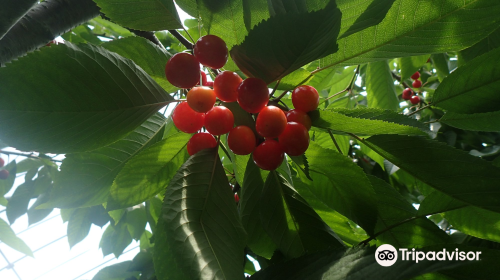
(225, 150)
(334, 141)
(421, 108)
(181, 39)
(275, 88)
(348, 88)
(277, 99)
(28, 155)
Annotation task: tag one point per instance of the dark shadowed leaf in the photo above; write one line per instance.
(475, 122)
(11, 12)
(372, 15)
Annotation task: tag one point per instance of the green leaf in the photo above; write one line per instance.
(487, 44)
(78, 98)
(414, 28)
(442, 167)
(250, 203)
(8, 237)
(380, 86)
(363, 121)
(36, 215)
(85, 178)
(292, 80)
(353, 264)
(78, 226)
(44, 22)
(472, 88)
(7, 184)
(18, 203)
(12, 12)
(341, 185)
(108, 28)
(440, 62)
(115, 239)
(149, 172)
(476, 222)
(81, 34)
(394, 209)
(409, 65)
(293, 40)
(293, 226)
(325, 140)
(372, 14)
(146, 15)
(117, 271)
(255, 11)
(151, 58)
(200, 224)
(474, 122)
(438, 202)
(136, 222)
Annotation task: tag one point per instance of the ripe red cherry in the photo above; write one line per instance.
(211, 51)
(200, 141)
(253, 95)
(407, 93)
(268, 155)
(226, 86)
(415, 100)
(417, 84)
(270, 122)
(201, 99)
(305, 98)
(300, 117)
(183, 70)
(236, 198)
(2, 162)
(203, 79)
(209, 84)
(295, 139)
(186, 119)
(4, 174)
(219, 120)
(241, 140)
(415, 76)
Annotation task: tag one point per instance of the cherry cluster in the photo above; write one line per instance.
(4, 174)
(277, 132)
(409, 94)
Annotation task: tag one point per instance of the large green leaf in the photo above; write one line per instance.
(363, 121)
(11, 12)
(44, 22)
(115, 239)
(354, 264)
(454, 172)
(292, 40)
(471, 88)
(342, 186)
(200, 224)
(380, 86)
(393, 208)
(8, 237)
(70, 98)
(250, 203)
(147, 15)
(438, 202)
(293, 224)
(18, 203)
(474, 122)
(487, 44)
(149, 172)
(151, 58)
(86, 178)
(475, 221)
(413, 28)
(373, 12)
(78, 226)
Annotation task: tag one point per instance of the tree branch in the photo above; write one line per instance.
(181, 39)
(144, 34)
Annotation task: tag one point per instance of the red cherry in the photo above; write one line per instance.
(253, 95)
(415, 100)
(268, 155)
(407, 93)
(295, 139)
(417, 84)
(211, 51)
(241, 140)
(236, 198)
(200, 141)
(4, 174)
(300, 117)
(219, 120)
(186, 119)
(415, 76)
(203, 79)
(201, 99)
(183, 70)
(209, 84)
(2, 162)
(305, 98)
(270, 122)
(226, 86)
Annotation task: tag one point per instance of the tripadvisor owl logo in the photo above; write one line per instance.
(386, 255)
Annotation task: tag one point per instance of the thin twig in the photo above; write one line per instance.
(422, 108)
(334, 141)
(399, 79)
(181, 39)
(281, 96)
(348, 88)
(275, 88)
